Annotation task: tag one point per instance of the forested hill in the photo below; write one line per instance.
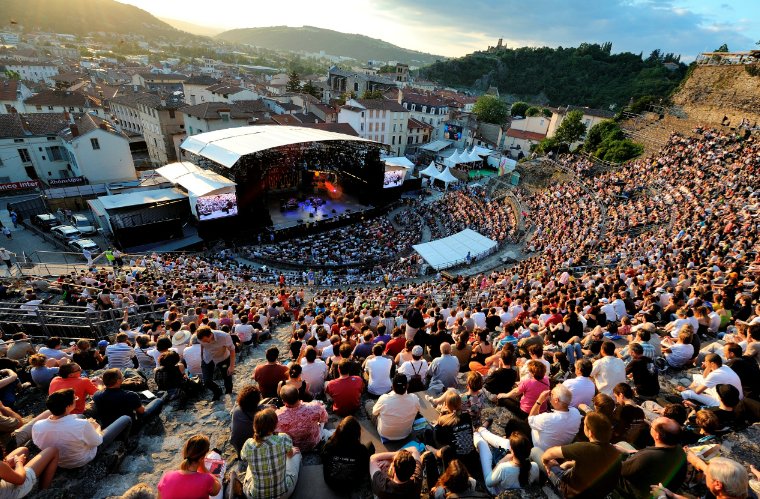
(585, 76)
(311, 39)
(80, 17)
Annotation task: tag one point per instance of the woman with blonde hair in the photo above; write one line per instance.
(192, 480)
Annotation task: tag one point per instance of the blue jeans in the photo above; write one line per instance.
(151, 410)
(119, 428)
(573, 352)
(555, 478)
(208, 376)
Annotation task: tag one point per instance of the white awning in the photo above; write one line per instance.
(431, 171)
(140, 198)
(482, 151)
(473, 157)
(229, 145)
(399, 161)
(454, 158)
(436, 145)
(452, 250)
(196, 180)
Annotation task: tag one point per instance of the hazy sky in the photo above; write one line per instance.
(457, 27)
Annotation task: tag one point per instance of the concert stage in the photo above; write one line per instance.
(343, 204)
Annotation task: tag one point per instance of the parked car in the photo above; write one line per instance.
(82, 224)
(65, 233)
(81, 244)
(45, 221)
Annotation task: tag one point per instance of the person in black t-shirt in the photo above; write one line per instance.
(643, 372)
(114, 402)
(590, 469)
(503, 379)
(455, 428)
(629, 421)
(344, 457)
(434, 341)
(745, 367)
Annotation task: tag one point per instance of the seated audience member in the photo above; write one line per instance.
(535, 352)
(345, 354)
(463, 351)
(664, 463)
(642, 370)
(139, 491)
(192, 356)
(294, 380)
(143, 352)
(397, 344)
(379, 371)
(364, 349)
(393, 414)
(21, 348)
(344, 457)
(43, 370)
(454, 428)
(70, 376)
(405, 355)
(629, 423)
(78, 440)
(415, 370)
(246, 407)
(609, 370)
(581, 387)
(53, 350)
(17, 476)
(456, 480)
(121, 355)
(273, 461)
(170, 375)
(590, 469)
(269, 375)
(725, 479)
(472, 399)
(502, 378)
(513, 471)
(444, 370)
(87, 358)
(396, 475)
(314, 372)
(345, 391)
(114, 402)
(702, 388)
(678, 354)
(192, 480)
(520, 400)
(303, 421)
(745, 367)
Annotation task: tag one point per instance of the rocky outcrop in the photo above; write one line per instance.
(712, 92)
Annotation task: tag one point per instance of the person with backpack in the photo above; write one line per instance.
(416, 370)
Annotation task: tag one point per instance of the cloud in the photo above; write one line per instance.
(725, 6)
(631, 25)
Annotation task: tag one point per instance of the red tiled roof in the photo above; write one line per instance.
(519, 134)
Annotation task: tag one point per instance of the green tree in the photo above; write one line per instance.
(374, 94)
(519, 108)
(490, 109)
(293, 84)
(532, 111)
(341, 101)
(618, 151)
(571, 129)
(598, 133)
(546, 112)
(310, 88)
(723, 48)
(11, 75)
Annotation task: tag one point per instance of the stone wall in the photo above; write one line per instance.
(712, 92)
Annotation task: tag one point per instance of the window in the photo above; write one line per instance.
(393, 140)
(191, 130)
(171, 113)
(64, 174)
(71, 109)
(225, 117)
(371, 113)
(401, 127)
(24, 154)
(382, 138)
(5, 180)
(541, 123)
(95, 144)
(383, 125)
(588, 122)
(356, 86)
(39, 108)
(361, 127)
(362, 115)
(17, 141)
(55, 153)
(51, 138)
(394, 115)
(394, 126)
(81, 110)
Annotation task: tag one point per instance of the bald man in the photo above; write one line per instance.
(664, 463)
(445, 368)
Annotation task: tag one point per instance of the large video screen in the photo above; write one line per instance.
(218, 206)
(452, 132)
(393, 178)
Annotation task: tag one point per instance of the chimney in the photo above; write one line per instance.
(163, 101)
(74, 130)
(68, 117)
(400, 96)
(25, 125)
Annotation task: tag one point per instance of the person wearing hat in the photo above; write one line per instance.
(415, 370)
(181, 340)
(533, 339)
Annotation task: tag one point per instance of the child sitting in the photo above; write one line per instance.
(472, 399)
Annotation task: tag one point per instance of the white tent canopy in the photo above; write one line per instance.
(449, 251)
(196, 180)
(436, 145)
(454, 158)
(482, 151)
(431, 171)
(446, 177)
(473, 157)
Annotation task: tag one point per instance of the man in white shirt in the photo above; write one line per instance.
(394, 413)
(619, 305)
(192, 356)
(479, 317)
(609, 310)
(581, 387)
(378, 369)
(416, 366)
(314, 371)
(609, 370)
(78, 440)
(703, 387)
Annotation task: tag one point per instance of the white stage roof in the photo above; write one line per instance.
(437, 145)
(399, 161)
(196, 180)
(140, 198)
(229, 145)
(446, 252)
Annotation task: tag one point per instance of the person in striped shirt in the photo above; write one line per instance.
(121, 355)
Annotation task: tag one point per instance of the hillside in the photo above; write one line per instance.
(78, 17)
(311, 39)
(585, 76)
(194, 29)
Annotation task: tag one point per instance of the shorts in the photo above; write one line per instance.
(10, 491)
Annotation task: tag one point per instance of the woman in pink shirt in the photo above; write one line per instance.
(521, 399)
(193, 480)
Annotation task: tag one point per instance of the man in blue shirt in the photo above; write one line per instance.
(114, 402)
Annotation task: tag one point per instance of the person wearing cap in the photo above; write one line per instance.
(608, 309)
(113, 402)
(393, 414)
(415, 367)
(533, 339)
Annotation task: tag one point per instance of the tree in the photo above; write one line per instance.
(293, 84)
(310, 88)
(490, 109)
(532, 111)
(723, 48)
(598, 133)
(341, 101)
(571, 129)
(374, 94)
(12, 75)
(519, 108)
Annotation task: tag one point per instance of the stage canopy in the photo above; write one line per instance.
(227, 146)
(454, 158)
(452, 250)
(140, 198)
(400, 161)
(196, 180)
(436, 145)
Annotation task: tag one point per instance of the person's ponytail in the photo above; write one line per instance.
(524, 477)
(194, 450)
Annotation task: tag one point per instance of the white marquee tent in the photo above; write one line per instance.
(446, 177)
(452, 250)
(431, 171)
